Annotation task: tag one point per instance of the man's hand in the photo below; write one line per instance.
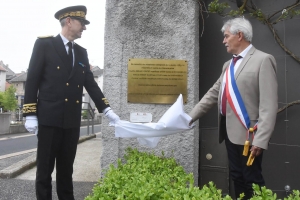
(256, 151)
(192, 124)
(31, 124)
(112, 117)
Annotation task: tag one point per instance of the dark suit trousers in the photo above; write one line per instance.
(242, 175)
(55, 145)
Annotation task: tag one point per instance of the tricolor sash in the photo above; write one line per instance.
(234, 98)
(236, 102)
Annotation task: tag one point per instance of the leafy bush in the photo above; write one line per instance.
(146, 176)
(262, 193)
(8, 99)
(84, 114)
(294, 196)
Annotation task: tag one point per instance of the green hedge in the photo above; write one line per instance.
(146, 176)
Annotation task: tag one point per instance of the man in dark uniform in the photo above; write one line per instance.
(58, 71)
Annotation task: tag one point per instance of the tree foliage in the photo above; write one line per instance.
(8, 100)
(270, 19)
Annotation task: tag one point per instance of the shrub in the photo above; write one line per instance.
(262, 193)
(145, 176)
(84, 114)
(8, 99)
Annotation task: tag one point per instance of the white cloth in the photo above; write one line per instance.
(174, 120)
(31, 124)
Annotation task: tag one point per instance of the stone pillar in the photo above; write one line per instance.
(4, 122)
(157, 29)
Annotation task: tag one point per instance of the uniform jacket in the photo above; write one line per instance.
(257, 83)
(54, 94)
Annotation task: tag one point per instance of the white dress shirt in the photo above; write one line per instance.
(236, 66)
(66, 41)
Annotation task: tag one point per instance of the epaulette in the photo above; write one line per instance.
(46, 36)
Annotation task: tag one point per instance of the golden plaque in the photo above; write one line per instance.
(156, 81)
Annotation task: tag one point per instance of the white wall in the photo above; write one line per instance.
(2, 81)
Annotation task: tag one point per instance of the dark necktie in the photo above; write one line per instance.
(224, 97)
(70, 55)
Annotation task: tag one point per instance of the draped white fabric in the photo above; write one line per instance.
(174, 120)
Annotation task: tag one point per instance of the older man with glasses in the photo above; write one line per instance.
(58, 70)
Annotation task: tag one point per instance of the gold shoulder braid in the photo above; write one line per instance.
(105, 101)
(29, 108)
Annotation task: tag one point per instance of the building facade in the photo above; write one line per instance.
(19, 82)
(2, 79)
(98, 77)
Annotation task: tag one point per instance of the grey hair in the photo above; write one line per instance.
(63, 22)
(239, 24)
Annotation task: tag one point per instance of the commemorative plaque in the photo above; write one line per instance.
(156, 80)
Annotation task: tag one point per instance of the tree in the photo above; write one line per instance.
(1, 99)
(269, 19)
(8, 100)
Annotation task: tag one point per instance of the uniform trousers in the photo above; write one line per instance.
(243, 176)
(55, 145)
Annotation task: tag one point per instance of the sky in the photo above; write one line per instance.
(22, 21)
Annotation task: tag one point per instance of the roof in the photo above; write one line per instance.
(97, 71)
(2, 69)
(19, 78)
(9, 72)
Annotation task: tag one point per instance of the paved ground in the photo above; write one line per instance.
(86, 173)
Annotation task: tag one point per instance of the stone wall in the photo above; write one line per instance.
(13, 129)
(157, 29)
(4, 122)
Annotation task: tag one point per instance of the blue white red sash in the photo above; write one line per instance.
(234, 98)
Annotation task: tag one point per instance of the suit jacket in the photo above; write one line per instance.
(257, 83)
(54, 94)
